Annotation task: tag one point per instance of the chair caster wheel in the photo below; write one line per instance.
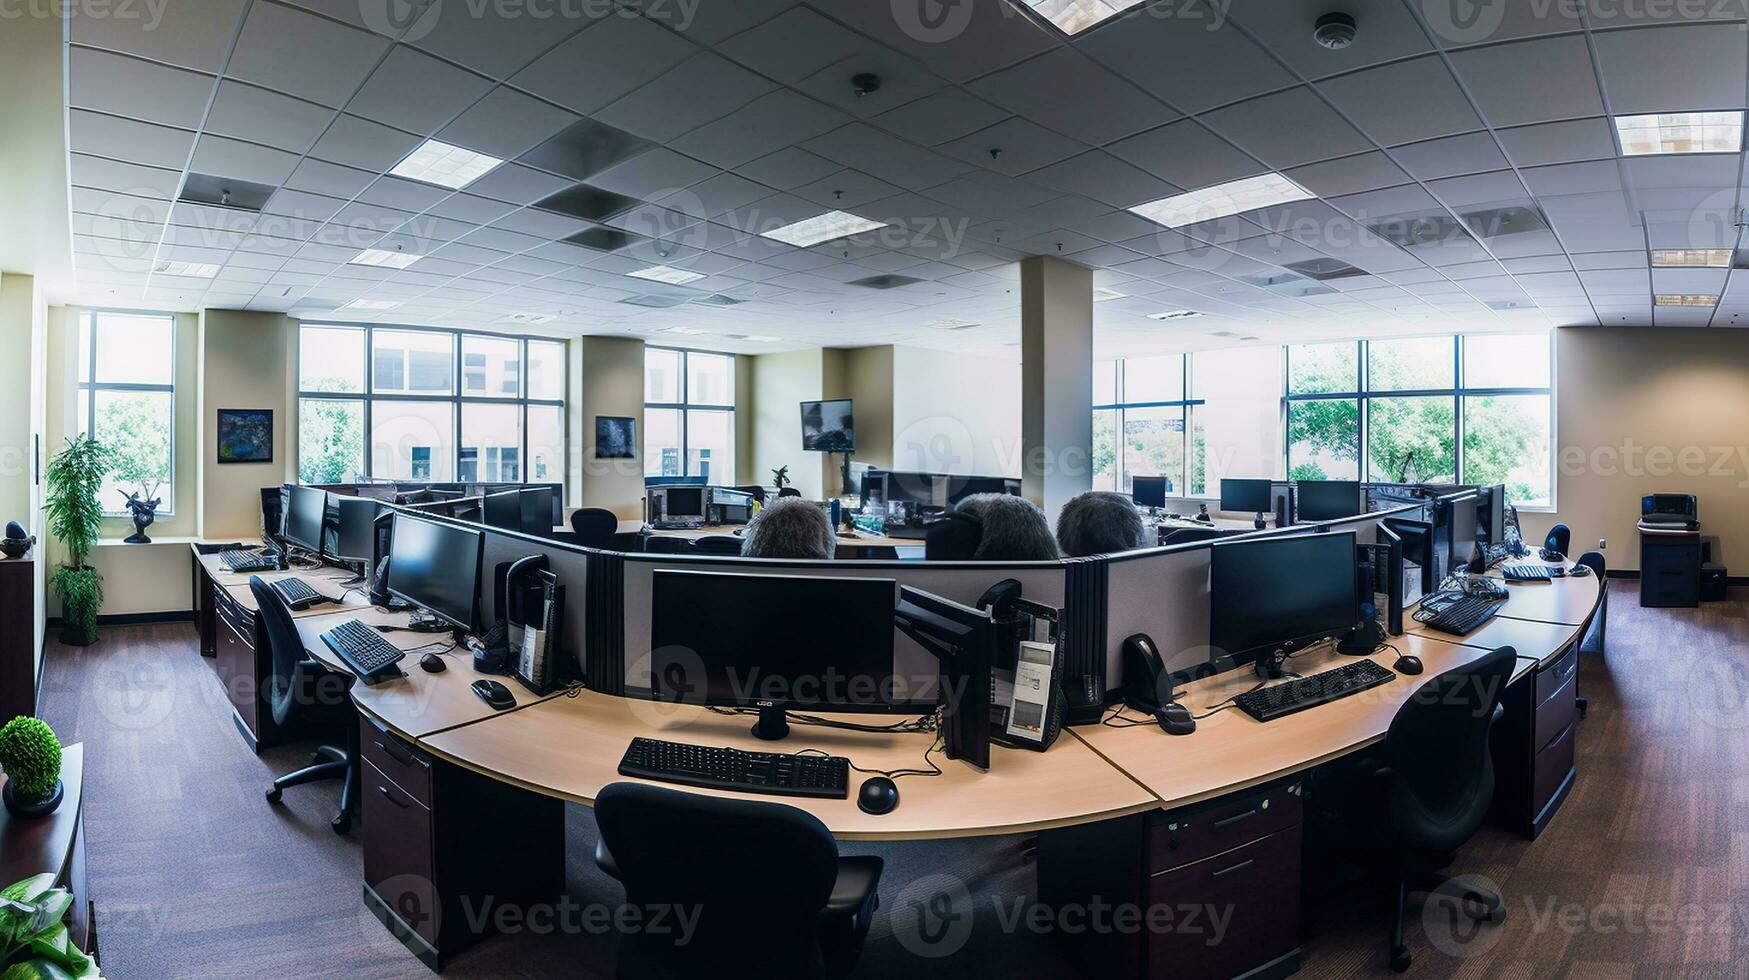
(1400, 959)
(341, 825)
(274, 794)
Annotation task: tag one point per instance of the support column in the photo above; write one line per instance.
(1056, 345)
(611, 384)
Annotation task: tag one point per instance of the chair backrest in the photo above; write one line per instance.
(756, 492)
(718, 544)
(953, 538)
(662, 544)
(1437, 747)
(1188, 535)
(1560, 536)
(789, 492)
(593, 526)
(285, 649)
(755, 874)
(1594, 561)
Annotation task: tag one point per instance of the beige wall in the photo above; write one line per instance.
(955, 413)
(246, 361)
(611, 382)
(23, 353)
(1645, 410)
(780, 383)
(864, 375)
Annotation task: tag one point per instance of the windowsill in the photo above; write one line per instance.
(178, 539)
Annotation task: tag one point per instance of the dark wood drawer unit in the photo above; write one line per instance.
(1669, 569)
(1190, 835)
(18, 640)
(1533, 744)
(1235, 913)
(234, 659)
(437, 868)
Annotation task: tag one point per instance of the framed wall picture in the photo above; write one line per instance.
(616, 438)
(245, 435)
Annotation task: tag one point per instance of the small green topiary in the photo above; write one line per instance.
(31, 756)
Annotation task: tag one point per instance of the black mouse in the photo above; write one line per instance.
(1579, 571)
(1409, 665)
(1175, 719)
(878, 795)
(431, 663)
(494, 694)
(1550, 554)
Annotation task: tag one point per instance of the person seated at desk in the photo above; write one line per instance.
(1099, 523)
(790, 527)
(1014, 528)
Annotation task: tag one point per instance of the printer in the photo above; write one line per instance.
(1672, 511)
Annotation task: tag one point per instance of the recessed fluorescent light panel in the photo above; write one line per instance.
(530, 318)
(1680, 132)
(761, 339)
(1685, 299)
(950, 324)
(687, 331)
(377, 256)
(1174, 315)
(1102, 294)
(1691, 258)
(826, 227)
(667, 274)
(436, 162)
(198, 270)
(370, 304)
(1075, 16)
(1223, 200)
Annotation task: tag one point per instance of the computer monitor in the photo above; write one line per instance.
(537, 510)
(777, 642)
(304, 517)
(355, 539)
(1328, 500)
(502, 509)
(1494, 515)
(1148, 491)
(675, 503)
(1465, 521)
(437, 568)
(828, 426)
(1245, 496)
(1417, 547)
(272, 513)
(1277, 594)
(961, 487)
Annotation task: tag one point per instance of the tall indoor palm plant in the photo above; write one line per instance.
(75, 476)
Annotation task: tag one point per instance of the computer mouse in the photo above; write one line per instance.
(1559, 572)
(1175, 719)
(1580, 571)
(1549, 554)
(494, 694)
(878, 795)
(431, 663)
(1409, 665)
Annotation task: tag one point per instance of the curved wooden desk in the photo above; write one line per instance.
(855, 542)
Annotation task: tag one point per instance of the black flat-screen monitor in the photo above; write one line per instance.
(811, 643)
(828, 426)
(537, 510)
(1280, 593)
(961, 487)
(683, 503)
(437, 568)
(1148, 491)
(304, 517)
(1417, 547)
(1493, 515)
(1246, 496)
(502, 509)
(355, 539)
(1327, 500)
(1465, 521)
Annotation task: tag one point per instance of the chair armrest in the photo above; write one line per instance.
(858, 877)
(604, 860)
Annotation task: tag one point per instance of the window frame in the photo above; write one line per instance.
(369, 396)
(88, 389)
(1122, 405)
(685, 406)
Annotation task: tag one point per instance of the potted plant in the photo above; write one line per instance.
(34, 943)
(75, 475)
(31, 756)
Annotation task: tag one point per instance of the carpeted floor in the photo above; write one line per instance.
(1640, 875)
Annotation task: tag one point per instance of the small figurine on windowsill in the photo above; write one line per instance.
(144, 512)
(780, 478)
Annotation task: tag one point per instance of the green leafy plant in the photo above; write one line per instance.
(75, 475)
(34, 942)
(31, 756)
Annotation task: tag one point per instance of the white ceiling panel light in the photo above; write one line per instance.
(688, 331)
(1223, 200)
(1684, 299)
(530, 318)
(1103, 294)
(1680, 132)
(370, 304)
(196, 270)
(826, 227)
(1074, 16)
(1174, 315)
(383, 257)
(667, 274)
(759, 338)
(440, 163)
(1691, 258)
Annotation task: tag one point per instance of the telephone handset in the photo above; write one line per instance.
(1148, 686)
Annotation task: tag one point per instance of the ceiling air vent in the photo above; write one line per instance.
(654, 301)
(1410, 230)
(885, 282)
(1325, 269)
(588, 203)
(1495, 222)
(584, 149)
(718, 299)
(605, 239)
(225, 192)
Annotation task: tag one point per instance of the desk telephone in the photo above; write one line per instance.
(1026, 691)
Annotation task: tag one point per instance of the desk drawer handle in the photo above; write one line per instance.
(1242, 865)
(1235, 818)
(394, 752)
(390, 797)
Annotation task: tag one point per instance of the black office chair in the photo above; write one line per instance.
(717, 544)
(953, 538)
(1434, 783)
(662, 544)
(765, 880)
(789, 492)
(1560, 537)
(593, 526)
(1592, 641)
(1190, 535)
(303, 693)
(756, 492)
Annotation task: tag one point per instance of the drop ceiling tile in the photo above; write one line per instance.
(764, 126)
(125, 139)
(940, 117)
(846, 189)
(361, 143)
(1101, 176)
(191, 34)
(407, 195)
(1475, 189)
(1451, 156)
(1014, 146)
(298, 204)
(1287, 129)
(699, 90)
(793, 45)
(1674, 68)
(957, 42)
(505, 123)
(1388, 31)
(415, 92)
(868, 149)
(902, 80)
(515, 184)
(130, 87)
(1187, 155)
(653, 175)
(303, 55)
(1184, 62)
(713, 196)
(1075, 96)
(542, 224)
(1403, 102)
(224, 157)
(495, 46)
(126, 178)
(1349, 175)
(1557, 69)
(711, 23)
(331, 179)
(607, 60)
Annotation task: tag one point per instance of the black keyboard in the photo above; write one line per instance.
(248, 561)
(363, 649)
(750, 772)
(1458, 616)
(1525, 572)
(296, 593)
(1270, 703)
(676, 525)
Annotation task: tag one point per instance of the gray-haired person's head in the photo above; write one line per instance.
(1014, 528)
(789, 527)
(1099, 522)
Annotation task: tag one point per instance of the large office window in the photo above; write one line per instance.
(1139, 417)
(127, 401)
(689, 414)
(416, 404)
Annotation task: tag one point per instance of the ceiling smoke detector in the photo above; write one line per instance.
(1335, 31)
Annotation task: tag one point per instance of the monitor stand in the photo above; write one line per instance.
(772, 724)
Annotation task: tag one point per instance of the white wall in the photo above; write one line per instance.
(955, 413)
(780, 383)
(611, 383)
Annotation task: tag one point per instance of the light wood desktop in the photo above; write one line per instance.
(846, 541)
(327, 580)
(1565, 600)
